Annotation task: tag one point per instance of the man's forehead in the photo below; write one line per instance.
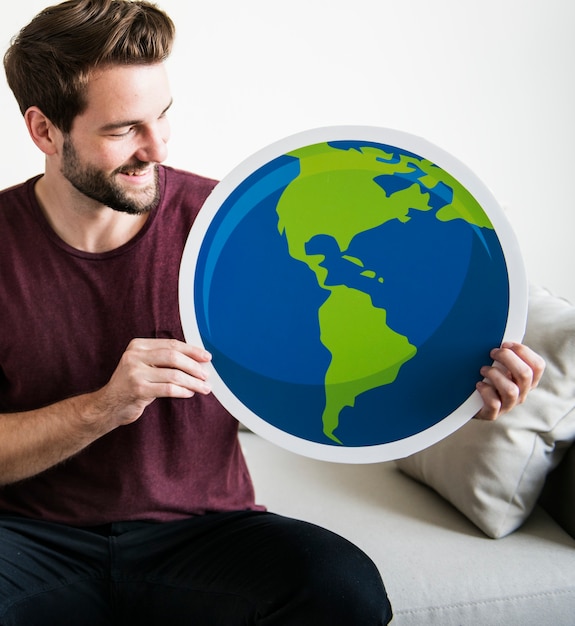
(117, 93)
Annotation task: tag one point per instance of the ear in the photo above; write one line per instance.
(44, 134)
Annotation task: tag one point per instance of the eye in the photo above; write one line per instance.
(124, 133)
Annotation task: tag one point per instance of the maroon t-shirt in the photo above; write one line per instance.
(66, 318)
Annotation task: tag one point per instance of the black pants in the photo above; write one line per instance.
(220, 569)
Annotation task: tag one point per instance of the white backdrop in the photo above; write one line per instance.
(492, 82)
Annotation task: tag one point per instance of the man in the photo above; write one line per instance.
(125, 497)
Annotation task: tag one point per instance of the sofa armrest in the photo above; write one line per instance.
(558, 496)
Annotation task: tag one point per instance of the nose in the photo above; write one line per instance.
(154, 144)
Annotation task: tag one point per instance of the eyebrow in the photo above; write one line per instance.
(125, 123)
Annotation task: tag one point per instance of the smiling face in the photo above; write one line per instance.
(113, 149)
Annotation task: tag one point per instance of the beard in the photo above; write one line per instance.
(103, 188)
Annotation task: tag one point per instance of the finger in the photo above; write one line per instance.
(195, 352)
(491, 402)
(535, 361)
(174, 383)
(176, 360)
(172, 354)
(521, 365)
(503, 385)
(175, 369)
(149, 345)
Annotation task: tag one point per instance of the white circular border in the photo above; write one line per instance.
(518, 288)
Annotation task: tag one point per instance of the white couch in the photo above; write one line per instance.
(485, 551)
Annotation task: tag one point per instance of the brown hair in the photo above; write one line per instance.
(50, 61)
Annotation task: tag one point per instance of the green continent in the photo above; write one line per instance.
(341, 202)
(336, 196)
(365, 352)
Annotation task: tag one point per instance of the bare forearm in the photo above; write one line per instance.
(33, 441)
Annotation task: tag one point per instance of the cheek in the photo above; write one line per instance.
(112, 157)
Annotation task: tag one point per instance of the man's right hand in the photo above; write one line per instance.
(150, 369)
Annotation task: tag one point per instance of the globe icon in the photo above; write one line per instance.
(350, 283)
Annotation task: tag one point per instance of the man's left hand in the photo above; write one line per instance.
(515, 372)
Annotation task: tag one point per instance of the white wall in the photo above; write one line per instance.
(492, 82)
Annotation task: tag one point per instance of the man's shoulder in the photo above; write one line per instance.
(17, 199)
(17, 190)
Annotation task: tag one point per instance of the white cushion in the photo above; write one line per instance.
(493, 472)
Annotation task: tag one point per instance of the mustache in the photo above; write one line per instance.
(134, 168)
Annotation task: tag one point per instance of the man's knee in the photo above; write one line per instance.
(334, 582)
(350, 589)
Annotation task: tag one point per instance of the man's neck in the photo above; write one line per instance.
(83, 223)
